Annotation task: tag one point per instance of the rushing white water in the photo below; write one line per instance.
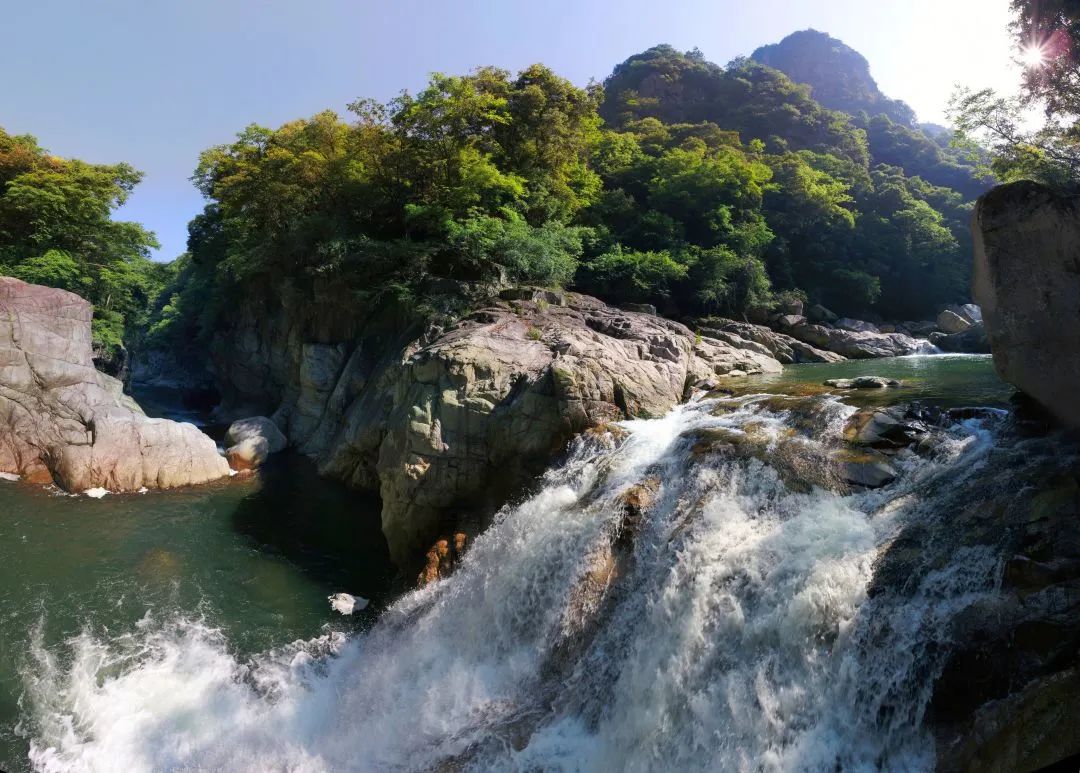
(735, 633)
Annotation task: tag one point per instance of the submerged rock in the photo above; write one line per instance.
(862, 382)
(63, 422)
(1027, 282)
(883, 428)
(868, 472)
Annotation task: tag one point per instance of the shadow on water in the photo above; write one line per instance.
(331, 533)
(327, 531)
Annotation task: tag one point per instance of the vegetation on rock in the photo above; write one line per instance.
(56, 230)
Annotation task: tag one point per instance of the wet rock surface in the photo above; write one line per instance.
(862, 382)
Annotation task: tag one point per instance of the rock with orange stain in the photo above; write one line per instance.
(442, 559)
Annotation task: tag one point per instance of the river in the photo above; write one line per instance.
(191, 630)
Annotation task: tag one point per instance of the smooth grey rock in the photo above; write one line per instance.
(248, 454)
(856, 345)
(534, 294)
(1026, 280)
(790, 320)
(791, 307)
(783, 347)
(63, 422)
(951, 322)
(250, 441)
(256, 426)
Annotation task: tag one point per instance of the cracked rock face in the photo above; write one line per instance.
(458, 421)
(63, 422)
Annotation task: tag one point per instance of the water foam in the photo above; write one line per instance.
(739, 637)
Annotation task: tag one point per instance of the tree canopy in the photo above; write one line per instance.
(56, 228)
(701, 188)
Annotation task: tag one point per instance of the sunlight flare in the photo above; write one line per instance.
(1034, 56)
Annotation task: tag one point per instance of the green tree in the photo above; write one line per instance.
(56, 228)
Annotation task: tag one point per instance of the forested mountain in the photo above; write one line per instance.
(704, 189)
(838, 75)
(839, 78)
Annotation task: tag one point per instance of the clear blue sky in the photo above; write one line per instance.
(153, 82)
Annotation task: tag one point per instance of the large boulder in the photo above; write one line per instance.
(1027, 281)
(949, 321)
(783, 347)
(250, 441)
(857, 345)
(972, 340)
(63, 422)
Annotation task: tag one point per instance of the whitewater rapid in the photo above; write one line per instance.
(738, 636)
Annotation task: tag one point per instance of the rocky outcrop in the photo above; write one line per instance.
(1027, 281)
(63, 422)
(783, 347)
(857, 345)
(951, 322)
(458, 419)
(971, 340)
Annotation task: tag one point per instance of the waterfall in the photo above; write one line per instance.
(681, 593)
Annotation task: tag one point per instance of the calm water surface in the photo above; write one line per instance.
(254, 556)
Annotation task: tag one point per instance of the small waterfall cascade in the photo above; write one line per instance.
(701, 591)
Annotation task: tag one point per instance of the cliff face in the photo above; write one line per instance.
(1027, 281)
(838, 74)
(63, 422)
(459, 418)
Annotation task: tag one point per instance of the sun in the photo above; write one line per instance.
(1034, 56)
